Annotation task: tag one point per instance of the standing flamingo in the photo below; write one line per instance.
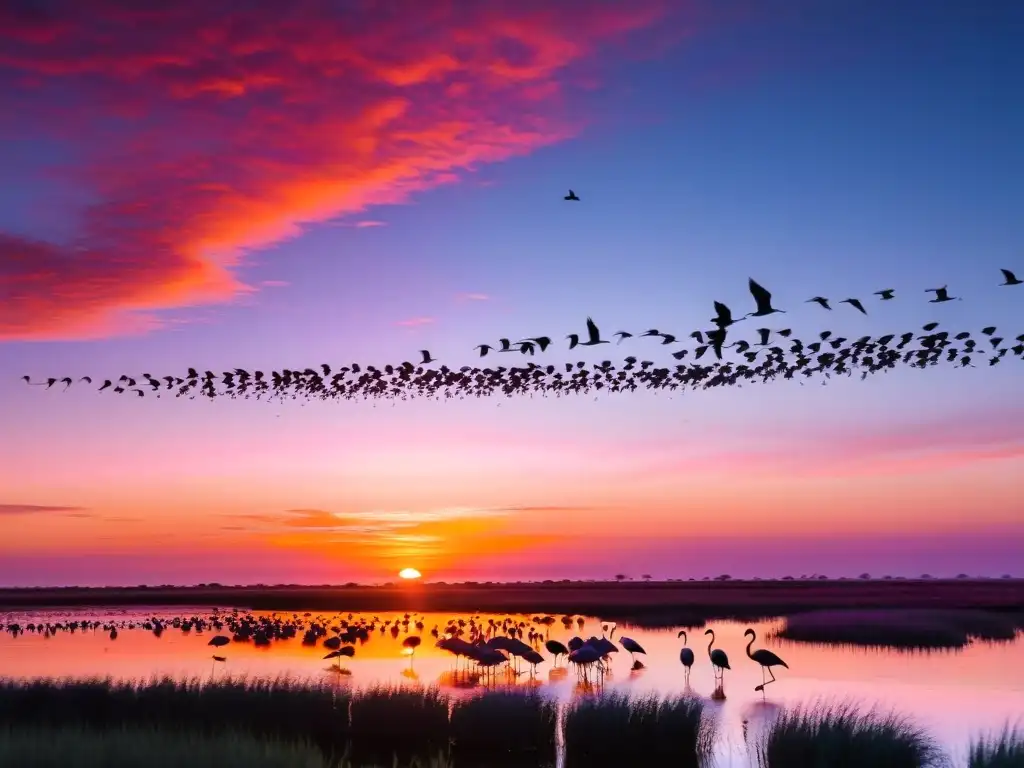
(719, 661)
(685, 655)
(765, 658)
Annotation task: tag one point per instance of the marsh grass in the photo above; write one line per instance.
(616, 729)
(840, 736)
(272, 708)
(904, 629)
(505, 723)
(1003, 751)
(399, 720)
(75, 747)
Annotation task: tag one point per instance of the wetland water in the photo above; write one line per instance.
(954, 694)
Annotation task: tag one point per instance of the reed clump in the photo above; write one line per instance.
(399, 720)
(268, 708)
(1003, 751)
(76, 747)
(840, 736)
(616, 729)
(905, 629)
(505, 723)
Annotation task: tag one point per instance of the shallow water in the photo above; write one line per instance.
(954, 694)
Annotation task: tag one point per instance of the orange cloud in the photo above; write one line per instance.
(431, 539)
(202, 131)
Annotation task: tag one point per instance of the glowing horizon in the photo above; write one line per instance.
(198, 186)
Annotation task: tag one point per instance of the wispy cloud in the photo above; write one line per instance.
(274, 283)
(43, 509)
(370, 223)
(415, 322)
(473, 297)
(893, 449)
(199, 138)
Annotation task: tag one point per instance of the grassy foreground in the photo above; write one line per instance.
(1003, 751)
(272, 723)
(839, 736)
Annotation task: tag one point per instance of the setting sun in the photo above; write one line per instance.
(409, 573)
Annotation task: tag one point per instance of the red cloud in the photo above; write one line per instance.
(201, 130)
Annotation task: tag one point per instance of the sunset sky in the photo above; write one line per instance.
(355, 181)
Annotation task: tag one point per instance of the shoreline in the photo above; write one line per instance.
(654, 602)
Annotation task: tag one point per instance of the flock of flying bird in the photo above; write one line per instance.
(774, 354)
(486, 645)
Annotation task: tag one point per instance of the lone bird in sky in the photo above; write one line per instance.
(762, 298)
(571, 196)
(1011, 279)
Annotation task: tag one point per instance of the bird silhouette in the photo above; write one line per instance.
(593, 337)
(542, 342)
(886, 294)
(623, 335)
(941, 295)
(571, 196)
(821, 301)
(723, 316)
(855, 303)
(765, 658)
(762, 298)
(685, 655)
(484, 349)
(1010, 278)
(719, 660)
(427, 359)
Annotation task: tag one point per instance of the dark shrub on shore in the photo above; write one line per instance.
(839, 736)
(1003, 751)
(398, 720)
(506, 722)
(277, 708)
(616, 730)
(907, 629)
(73, 747)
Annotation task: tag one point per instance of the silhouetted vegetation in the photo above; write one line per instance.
(506, 723)
(84, 748)
(274, 709)
(615, 730)
(839, 736)
(402, 720)
(661, 603)
(1003, 751)
(910, 629)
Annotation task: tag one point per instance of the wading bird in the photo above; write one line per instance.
(765, 658)
(719, 659)
(685, 655)
(593, 334)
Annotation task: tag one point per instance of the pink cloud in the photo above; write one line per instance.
(203, 131)
(473, 297)
(415, 322)
(369, 223)
(893, 449)
(275, 283)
